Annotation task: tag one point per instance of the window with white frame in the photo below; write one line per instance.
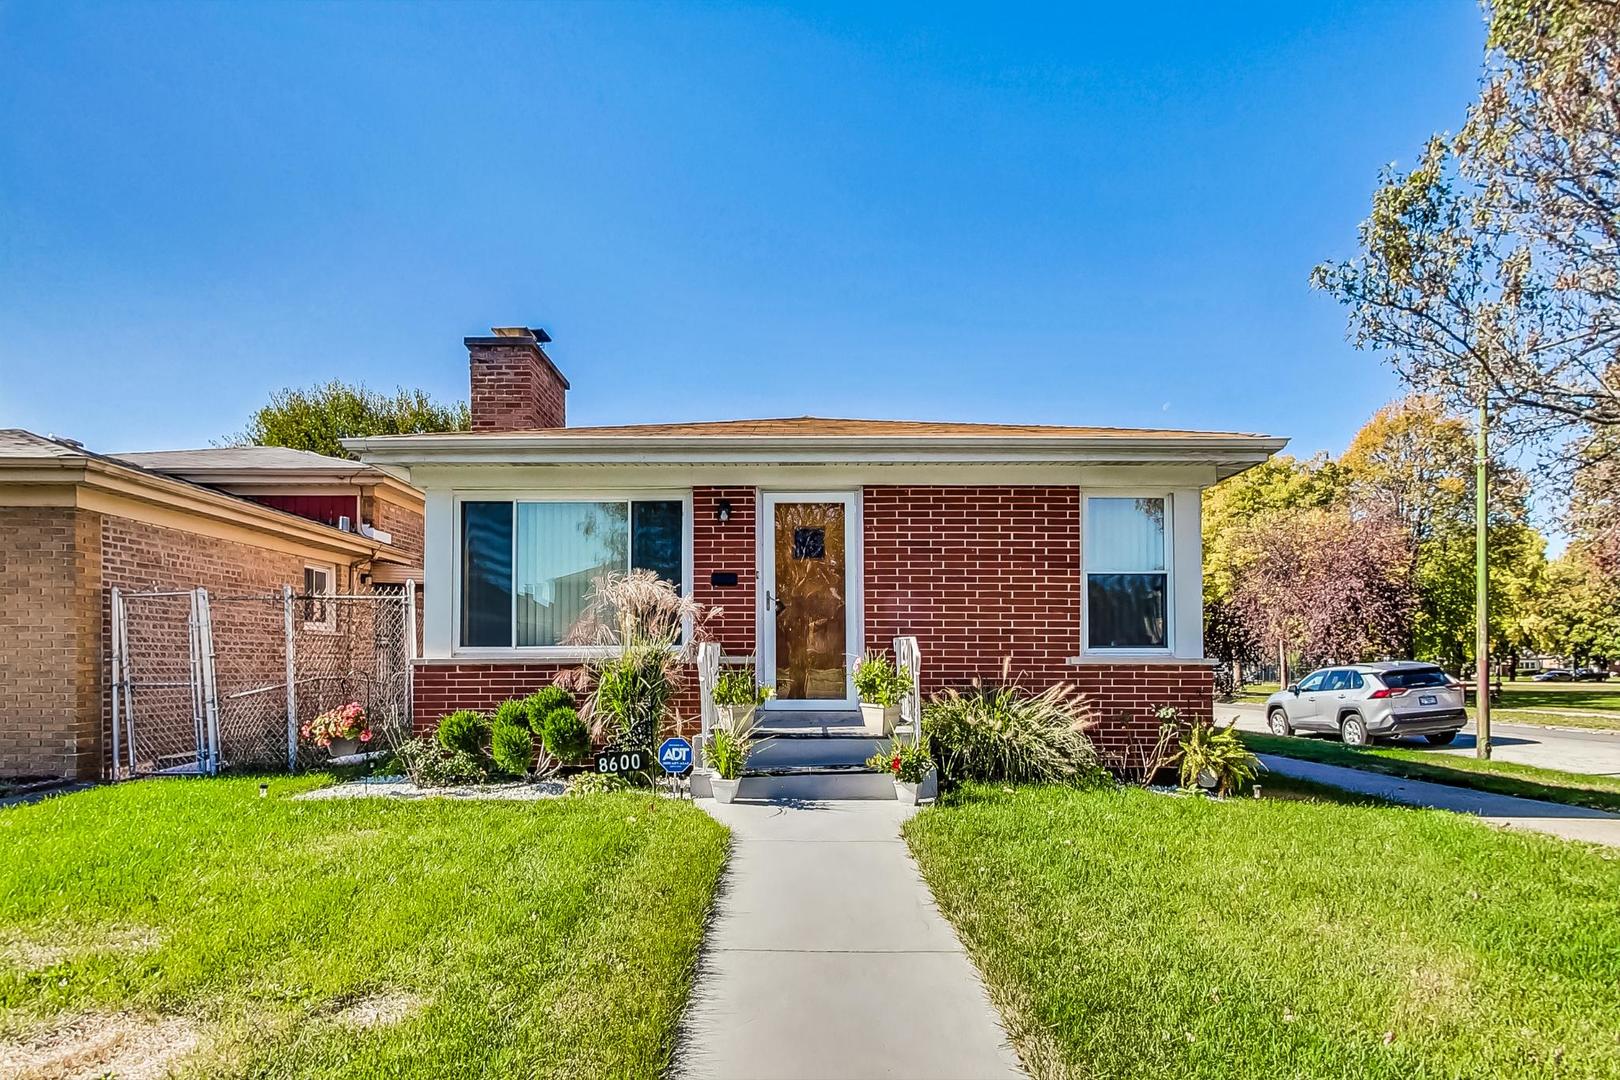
(527, 567)
(318, 606)
(1127, 573)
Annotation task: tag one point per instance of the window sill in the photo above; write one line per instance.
(1137, 656)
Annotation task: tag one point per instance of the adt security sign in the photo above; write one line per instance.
(675, 755)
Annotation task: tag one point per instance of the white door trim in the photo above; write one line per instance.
(854, 601)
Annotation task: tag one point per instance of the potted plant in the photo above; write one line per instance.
(736, 697)
(916, 780)
(728, 754)
(881, 687)
(1213, 759)
(340, 731)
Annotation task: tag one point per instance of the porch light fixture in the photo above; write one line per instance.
(722, 511)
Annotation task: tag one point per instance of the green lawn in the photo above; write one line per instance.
(1501, 777)
(358, 938)
(1129, 934)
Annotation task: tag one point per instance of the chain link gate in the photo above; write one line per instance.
(203, 683)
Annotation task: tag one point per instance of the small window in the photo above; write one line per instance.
(1353, 680)
(1312, 682)
(318, 607)
(1127, 575)
(1337, 680)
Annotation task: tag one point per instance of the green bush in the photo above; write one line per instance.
(632, 690)
(463, 731)
(510, 711)
(906, 761)
(1002, 734)
(1216, 751)
(540, 704)
(879, 682)
(591, 783)
(565, 736)
(736, 686)
(429, 764)
(512, 747)
(728, 752)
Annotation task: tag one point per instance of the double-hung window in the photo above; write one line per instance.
(1127, 573)
(527, 567)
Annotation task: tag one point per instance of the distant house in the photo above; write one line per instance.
(1070, 553)
(75, 524)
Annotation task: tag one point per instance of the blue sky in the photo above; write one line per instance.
(993, 213)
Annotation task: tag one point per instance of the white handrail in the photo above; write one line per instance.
(908, 656)
(708, 665)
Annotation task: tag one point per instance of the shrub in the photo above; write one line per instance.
(728, 752)
(463, 731)
(592, 783)
(565, 736)
(510, 711)
(632, 690)
(906, 761)
(540, 704)
(736, 686)
(1215, 754)
(1000, 733)
(879, 682)
(429, 764)
(511, 745)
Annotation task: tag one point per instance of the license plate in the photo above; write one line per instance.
(1426, 699)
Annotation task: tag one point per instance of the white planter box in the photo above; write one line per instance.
(724, 790)
(738, 718)
(917, 794)
(879, 719)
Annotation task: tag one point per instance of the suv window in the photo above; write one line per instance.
(1336, 680)
(1411, 678)
(1353, 680)
(1313, 681)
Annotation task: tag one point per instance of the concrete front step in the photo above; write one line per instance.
(772, 754)
(813, 786)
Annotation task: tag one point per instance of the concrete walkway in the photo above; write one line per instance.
(828, 960)
(1555, 819)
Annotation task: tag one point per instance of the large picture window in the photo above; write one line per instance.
(1127, 581)
(527, 567)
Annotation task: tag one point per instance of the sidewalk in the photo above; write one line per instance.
(1555, 819)
(828, 960)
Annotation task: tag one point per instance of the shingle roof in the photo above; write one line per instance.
(17, 443)
(828, 427)
(241, 459)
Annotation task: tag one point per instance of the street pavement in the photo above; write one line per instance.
(1568, 749)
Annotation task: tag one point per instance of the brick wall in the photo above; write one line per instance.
(977, 575)
(514, 386)
(402, 524)
(439, 688)
(49, 590)
(728, 548)
(1124, 697)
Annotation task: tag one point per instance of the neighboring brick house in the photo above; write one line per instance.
(1068, 554)
(75, 524)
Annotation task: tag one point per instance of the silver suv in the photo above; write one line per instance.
(1363, 702)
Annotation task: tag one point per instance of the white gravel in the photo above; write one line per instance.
(400, 787)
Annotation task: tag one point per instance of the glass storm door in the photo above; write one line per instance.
(808, 605)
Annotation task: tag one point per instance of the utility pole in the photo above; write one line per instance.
(1482, 582)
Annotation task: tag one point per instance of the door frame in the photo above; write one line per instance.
(854, 593)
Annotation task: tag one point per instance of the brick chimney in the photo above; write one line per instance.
(514, 383)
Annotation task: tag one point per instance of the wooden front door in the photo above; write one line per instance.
(808, 599)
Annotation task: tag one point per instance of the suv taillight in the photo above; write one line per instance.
(1386, 692)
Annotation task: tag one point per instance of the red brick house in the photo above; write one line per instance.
(1073, 552)
(76, 524)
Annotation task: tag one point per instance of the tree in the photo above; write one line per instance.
(1325, 583)
(1280, 483)
(1580, 614)
(318, 418)
(1493, 266)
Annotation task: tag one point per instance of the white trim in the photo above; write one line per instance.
(854, 583)
(328, 620)
(558, 653)
(1171, 615)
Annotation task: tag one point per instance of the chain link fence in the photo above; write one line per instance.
(204, 683)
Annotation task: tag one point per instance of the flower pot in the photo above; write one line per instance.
(927, 790)
(879, 719)
(724, 790)
(343, 747)
(738, 718)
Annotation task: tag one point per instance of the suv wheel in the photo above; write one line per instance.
(1353, 730)
(1277, 721)
(1441, 738)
